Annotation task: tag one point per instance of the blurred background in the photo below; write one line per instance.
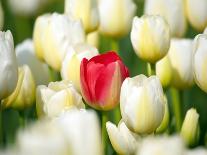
(21, 27)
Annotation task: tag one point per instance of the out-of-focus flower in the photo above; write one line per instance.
(86, 10)
(27, 7)
(38, 34)
(180, 56)
(8, 67)
(61, 31)
(199, 61)
(24, 94)
(173, 12)
(42, 138)
(71, 64)
(93, 39)
(165, 122)
(190, 127)
(81, 131)
(150, 37)
(164, 71)
(1, 17)
(26, 55)
(122, 139)
(142, 103)
(197, 151)
(205, 31)
(197, 13)
(162, 146)
(116, 17)
(101, 79)
(57, 98)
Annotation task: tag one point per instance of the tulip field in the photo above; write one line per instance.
(103, 77)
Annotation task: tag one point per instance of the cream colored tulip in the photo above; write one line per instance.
(82, 132)
(40, 28)
(58, 97)
(197, 13)
(71, 64)
(142, 103)
(86, 10)
(199, 61)
(8, 67)
(1, 17)
(205, 31)
(26, 56)
(93, 39)
(162, 146)
(172, 10)
(197, 151)
(180, 55)
(24, 94)
(190, 127)
(150, 37)
(116, 17)
(122, 139)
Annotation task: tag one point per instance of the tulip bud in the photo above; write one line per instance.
(172, 10)
(101, 78)
(197, 13)
(56, 98)
(142, 103)
(38, 34)
(1, 17)
(116, 17)
(164, 71)
(24, 94)
(122, 139)
(199, 61)
(162, 146)
(8, 67)
(150, 37)
(93, 39)
(197, 151)
(86, 10)
(180, 55)
(190, 127)
(26, 56)
(71, 64)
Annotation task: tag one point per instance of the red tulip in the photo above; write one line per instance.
(101, 79)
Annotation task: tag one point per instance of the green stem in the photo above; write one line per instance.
(104, 132)
(150, 69)
(176, 108)
(115, 45)
(22, 119)
(117, 115)
(1, 126)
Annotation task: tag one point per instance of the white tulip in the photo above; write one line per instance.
(57, 98)
(161, 146)
(86, 10)
(61, 32)
(199, 61)
(122, 139)
(172, 10)
(142, 103)
(1, 17)
(26, 55)
(180, 56)
(197, 151)
(82, 132)
(197, 13)
(8, 67)
(150, 37)
(205, 31)
(24, 94)
(93, 39)
(71, 64)
(116, 17)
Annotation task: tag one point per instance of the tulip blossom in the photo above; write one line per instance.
(150, 37)
(197, 151)
(101, 78)
(8, 67)
(142, 103)
(86, 10)
(93, 39)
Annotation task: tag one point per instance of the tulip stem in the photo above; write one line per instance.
(117, 115)
(150, 69)
(176, 108)
(22, 119)
(104, 132)
(115, 45)
(1, 126)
